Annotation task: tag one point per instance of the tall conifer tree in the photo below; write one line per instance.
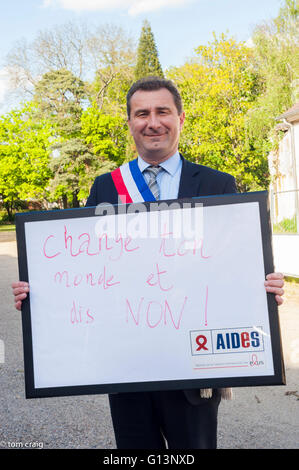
(147, 54)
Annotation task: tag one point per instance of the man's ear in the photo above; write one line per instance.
(182, 119)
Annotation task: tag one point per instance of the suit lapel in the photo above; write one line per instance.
(189, 185)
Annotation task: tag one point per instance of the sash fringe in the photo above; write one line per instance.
(226, 393)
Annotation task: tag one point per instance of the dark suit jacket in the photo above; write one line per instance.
(196, 180)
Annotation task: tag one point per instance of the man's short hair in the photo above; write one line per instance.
(153, 83)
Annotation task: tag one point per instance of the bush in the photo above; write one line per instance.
(286, 226)
(4, 219)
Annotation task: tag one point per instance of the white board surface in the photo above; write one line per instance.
(109, 309)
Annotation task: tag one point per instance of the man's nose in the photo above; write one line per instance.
(153, 121)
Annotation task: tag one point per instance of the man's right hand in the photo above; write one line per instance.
(20, 290)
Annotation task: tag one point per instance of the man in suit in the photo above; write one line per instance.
(184, 419)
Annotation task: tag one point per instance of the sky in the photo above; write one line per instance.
(179, 26)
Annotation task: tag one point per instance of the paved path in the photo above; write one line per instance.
(259, 417)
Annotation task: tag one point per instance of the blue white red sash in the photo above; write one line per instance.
(130, 183)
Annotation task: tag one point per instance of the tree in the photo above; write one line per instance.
(147, 54)
(79, 67)
(276, 59)
(113, 56)
(60, 97)
(106, 136)
(218, 88)
(87, 52)
(24, 157)
(62, 47)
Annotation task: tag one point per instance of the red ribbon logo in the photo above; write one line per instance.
(254, 361)
(201, 344)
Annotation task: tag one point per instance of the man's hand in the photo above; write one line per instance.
(20, 290)
(274, 284)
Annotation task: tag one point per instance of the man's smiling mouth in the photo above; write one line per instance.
(155, 135)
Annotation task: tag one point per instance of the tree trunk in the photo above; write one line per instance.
(64, 201)
(8, 207)
(75, 200)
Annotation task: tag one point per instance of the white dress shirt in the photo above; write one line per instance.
(168, 180)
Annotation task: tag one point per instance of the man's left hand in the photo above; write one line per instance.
(274, 284)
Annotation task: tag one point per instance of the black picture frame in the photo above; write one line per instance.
(278, 378)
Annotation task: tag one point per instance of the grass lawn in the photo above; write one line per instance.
(7, 228)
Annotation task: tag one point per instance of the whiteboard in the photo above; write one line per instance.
(132, 298)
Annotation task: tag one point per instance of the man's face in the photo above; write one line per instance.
(155, 124)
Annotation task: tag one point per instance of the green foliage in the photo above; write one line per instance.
(147, 54)
(218, 88)
(105, 133)
(61, 97)
(286, 226)
(106, 136)
(89, 141)
(109, 90)
(24, 156)
(276, 59)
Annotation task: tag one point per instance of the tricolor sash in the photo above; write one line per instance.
(130, 183)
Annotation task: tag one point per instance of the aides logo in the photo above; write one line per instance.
(233, 340)
(201, 342)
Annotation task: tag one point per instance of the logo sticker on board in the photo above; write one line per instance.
(224, 341)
